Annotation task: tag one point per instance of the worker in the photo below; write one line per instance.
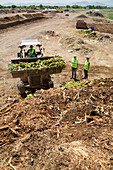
(89, 30)
(86, 67)
(74, 67)
(31, 52)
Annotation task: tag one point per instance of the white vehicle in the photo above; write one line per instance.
(53, 10)
(97, 11)
(49, 10)
(67, 14)
(24, 46)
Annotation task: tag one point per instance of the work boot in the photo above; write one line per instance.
(71, 78)
(75, 79)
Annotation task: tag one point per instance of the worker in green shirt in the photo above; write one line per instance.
(31, 52)
(86, 67)
(74, 67)
(89, 30)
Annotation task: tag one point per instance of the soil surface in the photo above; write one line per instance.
(59, 129)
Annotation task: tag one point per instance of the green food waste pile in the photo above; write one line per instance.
(90, 34)
(54, 62)
(77, 84)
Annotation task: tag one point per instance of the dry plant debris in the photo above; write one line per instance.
(60, 129)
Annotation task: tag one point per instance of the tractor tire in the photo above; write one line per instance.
(51, 85)
(21, 87)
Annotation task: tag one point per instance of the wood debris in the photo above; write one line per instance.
(45, 127)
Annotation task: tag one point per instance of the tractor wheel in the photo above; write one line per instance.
(21, 87)
(51, 85)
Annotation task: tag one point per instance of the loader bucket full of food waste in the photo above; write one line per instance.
(49, 66)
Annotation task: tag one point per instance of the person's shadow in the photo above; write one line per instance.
(76, 80)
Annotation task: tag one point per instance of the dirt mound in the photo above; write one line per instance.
(96, 15)
(76, 44)
(50, 33)
(82, 16)
(102, 27)
(101, 20)
(5, 19)
(81, 24)
(51, 129)
(19, 19)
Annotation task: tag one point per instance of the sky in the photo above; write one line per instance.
(109, 2)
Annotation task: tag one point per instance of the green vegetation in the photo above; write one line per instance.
(106, 10)
(41, 6)
(68, 6)
(107, 13)
(80, 9)
(85, 33)
(76, 84)
(110, 16)
(29, 96)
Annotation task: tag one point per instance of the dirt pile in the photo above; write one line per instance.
(76, 44)
(101, 20)
(60, 129)
(96, 14)
(4, 11)
(102, 27)
(19, 19)
(82, 16)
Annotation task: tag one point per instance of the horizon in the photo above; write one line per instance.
(57, 2)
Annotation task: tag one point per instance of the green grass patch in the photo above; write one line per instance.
(106, 10)
(110, 16)
(80, 9)
(70, 9)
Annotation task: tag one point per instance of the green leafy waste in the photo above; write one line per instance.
(90, 34)
(54, 62)
(76, 84)
(29, 96)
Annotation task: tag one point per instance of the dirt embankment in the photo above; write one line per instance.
(7, 22)
(102, 27)
(97, 21)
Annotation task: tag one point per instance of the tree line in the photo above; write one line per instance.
(67, 6)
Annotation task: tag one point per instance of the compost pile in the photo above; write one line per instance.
(68, 128)
(97, 14)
